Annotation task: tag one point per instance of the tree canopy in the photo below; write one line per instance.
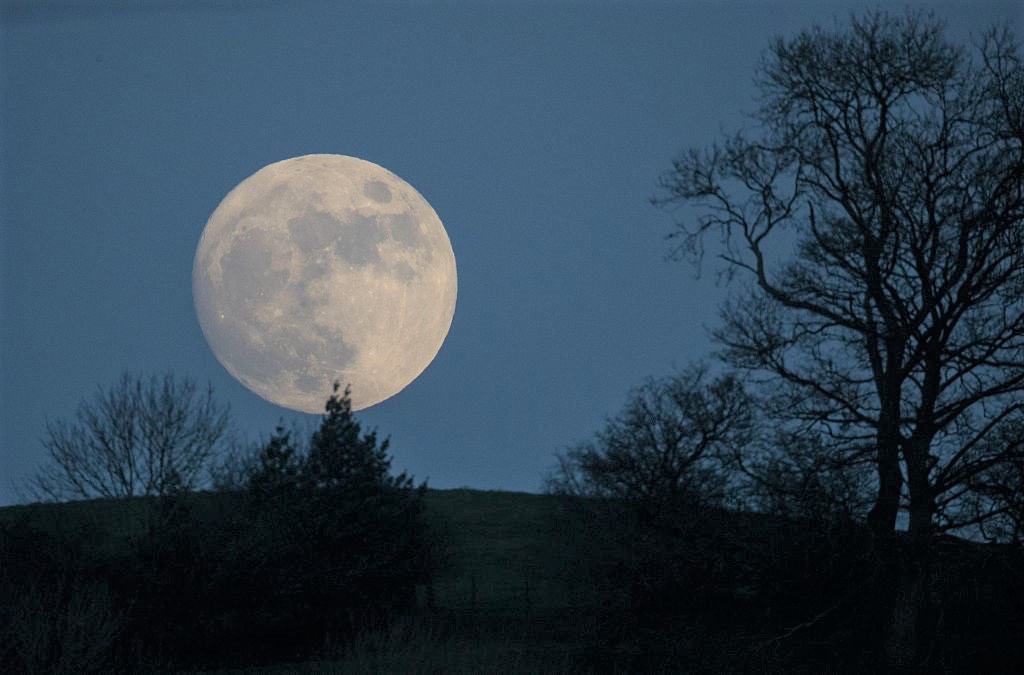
(874, 217)
(141, 436)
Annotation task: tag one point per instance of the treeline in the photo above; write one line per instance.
(696, 553)
(311, 543)
(665, 547)
(847, 489)
(711, 590)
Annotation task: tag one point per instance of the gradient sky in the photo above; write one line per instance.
(536, 131)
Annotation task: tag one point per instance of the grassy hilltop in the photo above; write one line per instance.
(516, 593)
(499, 544)
(493, 602)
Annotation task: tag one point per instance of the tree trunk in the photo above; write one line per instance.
(922, 501)
(882, 517)
(911, 630)
(907, 633)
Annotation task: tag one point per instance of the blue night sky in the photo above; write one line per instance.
(536, 131)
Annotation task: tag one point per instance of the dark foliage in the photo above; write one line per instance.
(889, 164)
(701, 589)
(318, 546)
(695, 590)
(800, 583)
(341, 456)
(57, 611)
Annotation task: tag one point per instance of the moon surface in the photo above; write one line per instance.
(322, 269)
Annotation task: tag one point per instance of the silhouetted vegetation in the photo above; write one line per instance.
(894, 161)
(140, 436)
(672, 442)
(692, 540)
(527, 588)
(742, 522)
(319, 545)
(891, 161)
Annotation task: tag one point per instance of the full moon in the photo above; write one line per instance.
(323, 269)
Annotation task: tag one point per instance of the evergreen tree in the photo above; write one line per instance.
(327, 543)
(363, 530)
(342, 456)
(277, 467)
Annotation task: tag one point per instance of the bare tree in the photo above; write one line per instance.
(994, 498)
(138, 437)
(802, 476)
(643, 518)
(890, 163)
(669, 442)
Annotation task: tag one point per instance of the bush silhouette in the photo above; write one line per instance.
(319, 545)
